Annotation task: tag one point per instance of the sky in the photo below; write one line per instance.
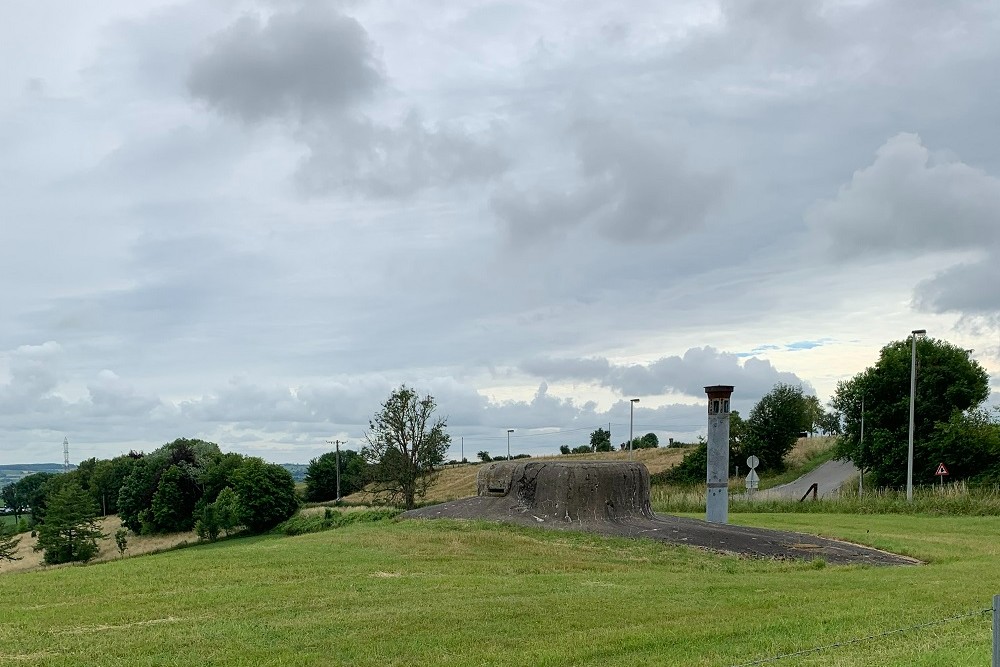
(249, 222)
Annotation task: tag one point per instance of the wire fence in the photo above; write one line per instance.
(868, 638)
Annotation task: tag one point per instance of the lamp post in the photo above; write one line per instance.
(913, 391)
(631, 413)
(509, 431)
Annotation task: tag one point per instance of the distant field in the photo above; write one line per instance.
(451, 593)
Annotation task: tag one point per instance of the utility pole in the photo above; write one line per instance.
(337, 443)
(463, 449)
(861, 450)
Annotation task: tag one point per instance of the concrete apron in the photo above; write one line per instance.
(611, 498)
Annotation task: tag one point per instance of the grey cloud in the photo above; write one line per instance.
(393, 161)
(313, 68)
(632, 186)
(910, 201)
(970, 289)
(687, 374)
(305, 63)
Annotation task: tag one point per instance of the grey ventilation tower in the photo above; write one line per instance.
(717, 499)
(65, 454)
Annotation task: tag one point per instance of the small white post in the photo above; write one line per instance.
(996, 631)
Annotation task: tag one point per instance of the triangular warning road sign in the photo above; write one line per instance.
(941, 470)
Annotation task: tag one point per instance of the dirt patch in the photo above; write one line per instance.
(107, 549)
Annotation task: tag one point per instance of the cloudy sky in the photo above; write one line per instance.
(249, 221)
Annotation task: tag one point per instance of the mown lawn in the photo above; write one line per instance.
(452, 593)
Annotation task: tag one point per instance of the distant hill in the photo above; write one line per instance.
(298, 470)
(15, 471)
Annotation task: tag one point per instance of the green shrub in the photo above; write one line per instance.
(331, 519)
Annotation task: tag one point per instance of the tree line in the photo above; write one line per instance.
(184, 485)
(950, 424)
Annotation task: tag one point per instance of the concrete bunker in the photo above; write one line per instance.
(569, 490)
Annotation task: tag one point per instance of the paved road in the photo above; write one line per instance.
(829, 477)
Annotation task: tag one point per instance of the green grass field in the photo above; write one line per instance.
(452, 593)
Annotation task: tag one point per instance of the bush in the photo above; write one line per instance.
(331, 519)
(266, 492)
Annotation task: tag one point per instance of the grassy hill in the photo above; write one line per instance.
(454, 594)
(459, 481)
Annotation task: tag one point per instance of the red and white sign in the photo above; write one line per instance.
(941, 470)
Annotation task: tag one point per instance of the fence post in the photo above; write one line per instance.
(996, 631)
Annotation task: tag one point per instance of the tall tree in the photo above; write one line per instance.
(8, 543)
(600, 440)
(172, 507)
(812, 414)
(949, 383)
(33, 490)
(70, 531)
(406, 443)
(266, 494)
(774, 425)
(13, 497)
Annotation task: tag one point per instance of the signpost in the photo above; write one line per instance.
(753, 481)
(941, 472)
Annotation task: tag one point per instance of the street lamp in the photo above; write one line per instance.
(509, 431)
(913, 391)
(631, 412)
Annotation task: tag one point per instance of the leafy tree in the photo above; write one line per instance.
(564, 449)
(582, 449)
(968, 442)
(830, 423)
(266, 492)
(217, 473)
(950, 385)
(321, 475)
(406, 443)
(8, 543)
(172, 506)
(136, 494)
(227, 510)
(13, 497)
(600, 441)
(121, 540)
(33, 491)
(693, 468)
(484, 456)
(106, 481)
(812, 414)
(207, 526)
(200, 470)
(648, 441)
(774, 425)
(70, 531)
